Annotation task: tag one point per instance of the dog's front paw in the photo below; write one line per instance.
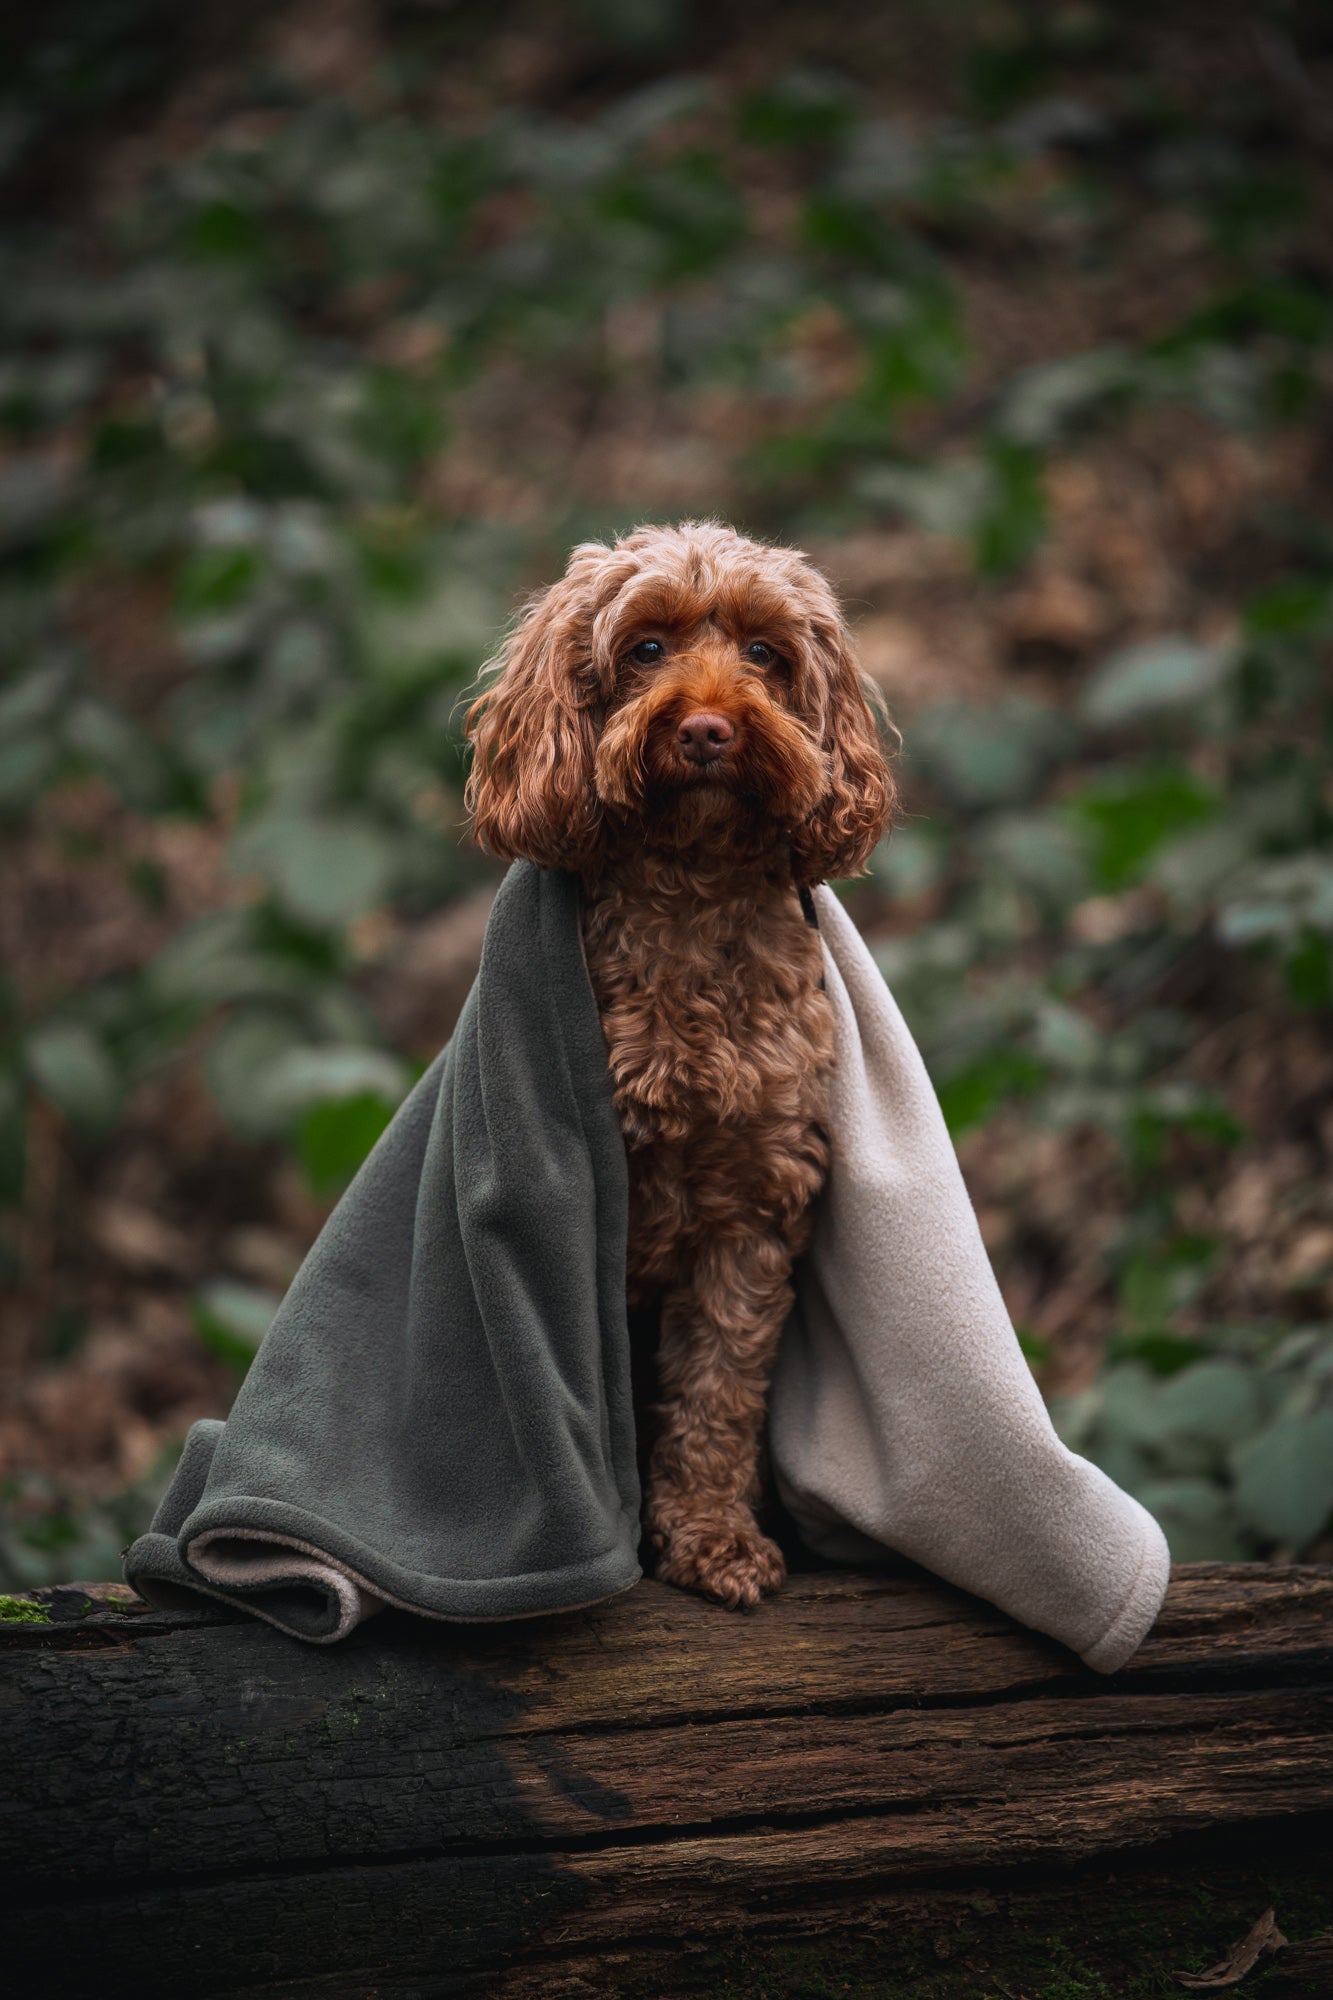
(727, 1560)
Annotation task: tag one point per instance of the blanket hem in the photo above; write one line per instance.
(533, 1593)
(163, 1582)
(323, 1562)
(1138, 1611)
(229, 1515)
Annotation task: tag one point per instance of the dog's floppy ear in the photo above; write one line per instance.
(860, 794)
(533, 731)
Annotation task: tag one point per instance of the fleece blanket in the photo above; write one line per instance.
(441, 1414)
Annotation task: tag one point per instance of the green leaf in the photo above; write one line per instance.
(231, 1319)
(1280, 899)
(913, 345)
(224, 232)
(1126, 817)
(1219, 1402)
(123, 753)
(632, 121)
(1158, 1280)
(1123, 1459)
(1177, 1107)
(1065, 1040)
(226, 956)
(911, 862)
(1164, 1353)
(987, 756)
(1042, 404)
(1284, 1479)
(974, 1094)
(325, 1073)
(1131, 1406)
(71, 1066)
(123, 444)
(36, 696)
(1039, 851)
(215, 579)
(397, 417)
(1299, 312)
(944, 498)
(325, 870)
(27, 764)
(1004, 65)
(1197, 1519)
(689, 212)
(796, 109)
(1309, 971)
(1141, 683)
(1013, 518)
(851, 232)
(1295, 606)
(439, 629)
(244, 1051)
(334, 1138)
(1193, 867)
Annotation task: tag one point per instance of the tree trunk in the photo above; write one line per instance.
(871, 1780)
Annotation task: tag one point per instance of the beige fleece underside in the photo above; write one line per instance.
(903, 1412)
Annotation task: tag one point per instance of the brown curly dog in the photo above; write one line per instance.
(682, 721)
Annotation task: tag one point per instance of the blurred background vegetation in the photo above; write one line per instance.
(329, 326)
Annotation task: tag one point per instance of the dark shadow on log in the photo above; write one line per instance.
(649, 1793)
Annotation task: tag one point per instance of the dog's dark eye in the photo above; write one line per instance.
(762, 655)
(648, 652)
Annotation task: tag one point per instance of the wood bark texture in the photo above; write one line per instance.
(194, 1802)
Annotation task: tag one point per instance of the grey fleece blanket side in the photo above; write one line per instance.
(440, 1415)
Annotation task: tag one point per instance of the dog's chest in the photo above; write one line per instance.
(712, 1011)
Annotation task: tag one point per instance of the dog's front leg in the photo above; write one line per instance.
(719, 1333)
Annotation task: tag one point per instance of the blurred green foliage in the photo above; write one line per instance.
(52, 1535)
(1228, 1436)
(203, 402)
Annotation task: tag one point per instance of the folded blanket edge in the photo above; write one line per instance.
(158, 1559)
(1139, 1608)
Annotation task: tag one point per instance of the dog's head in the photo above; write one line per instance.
(685, 683)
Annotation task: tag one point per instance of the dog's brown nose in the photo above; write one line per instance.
(705, 736)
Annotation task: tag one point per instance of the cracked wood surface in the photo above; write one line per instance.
(438, 1803)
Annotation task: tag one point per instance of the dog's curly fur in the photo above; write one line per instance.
(682, 721)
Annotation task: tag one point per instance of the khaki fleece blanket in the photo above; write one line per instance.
(441, 1417)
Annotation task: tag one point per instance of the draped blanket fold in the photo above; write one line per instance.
(440, 1416)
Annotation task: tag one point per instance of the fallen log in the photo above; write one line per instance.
(868, 1772)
